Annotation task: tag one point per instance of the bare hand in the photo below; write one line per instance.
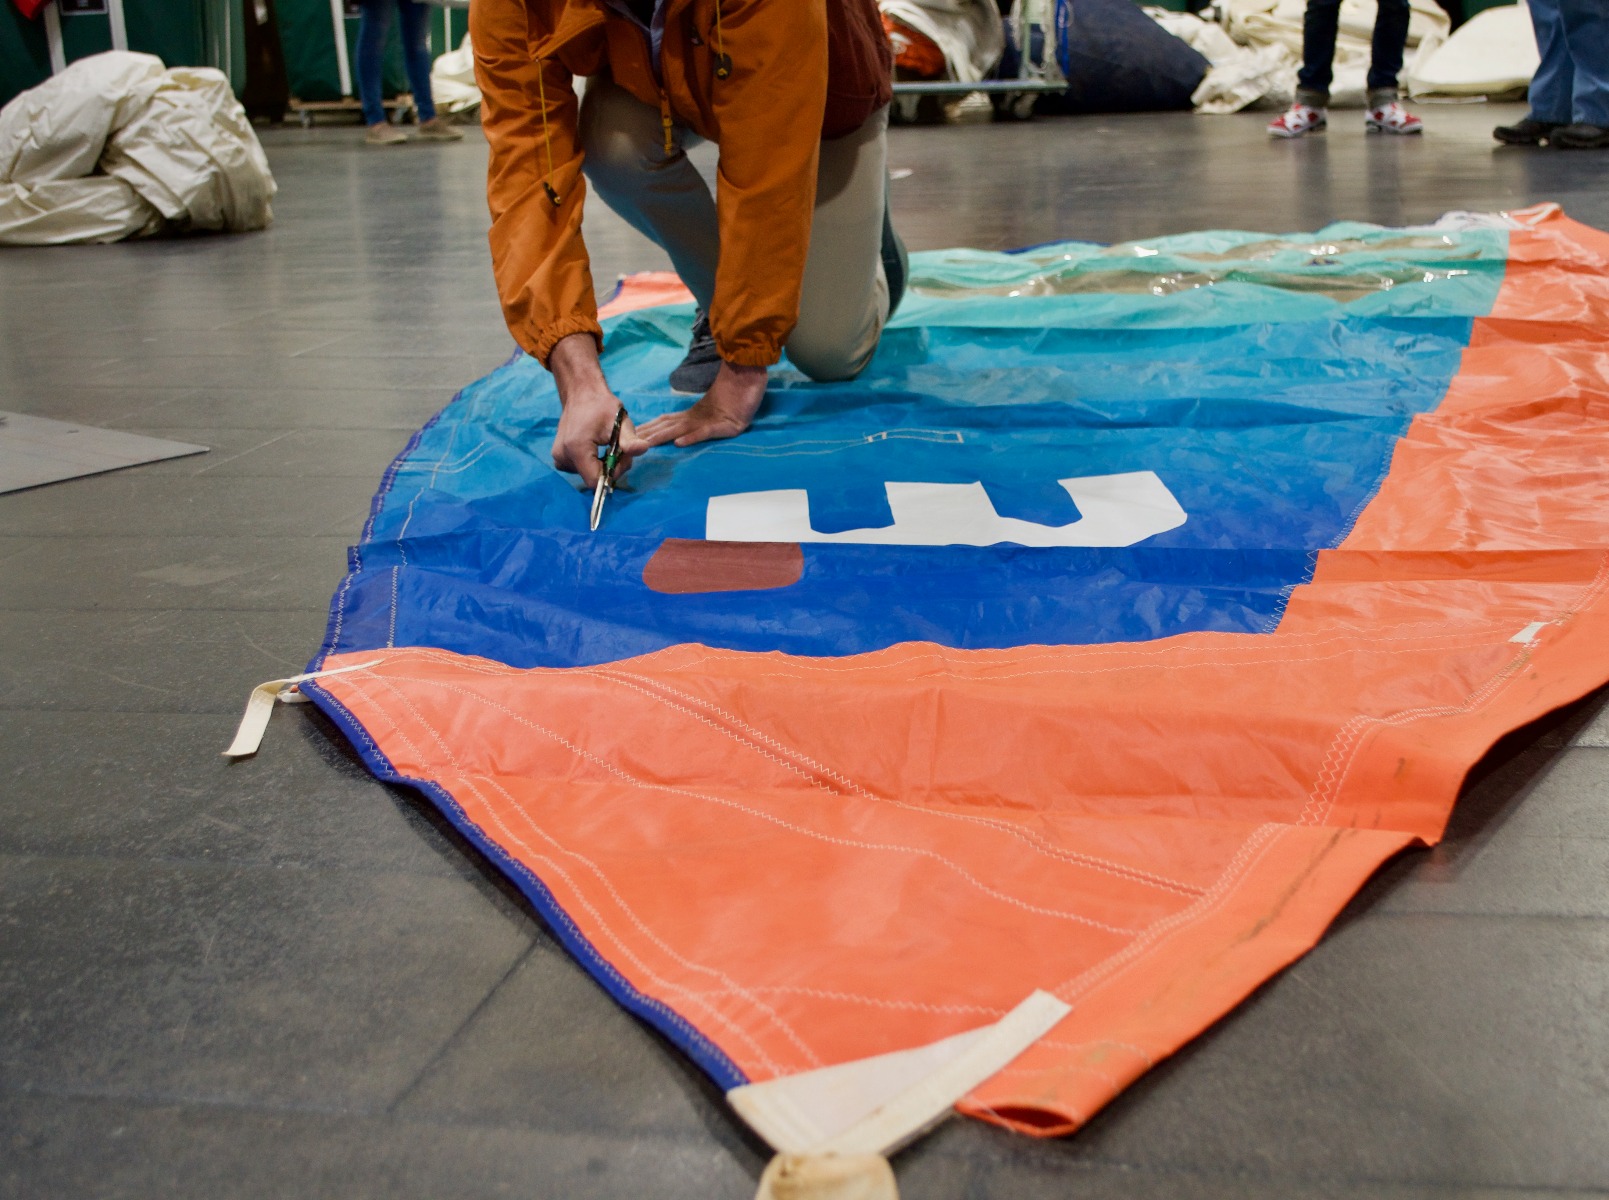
(725, 410)
(590, 406)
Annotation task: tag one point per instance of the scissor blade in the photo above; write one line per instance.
(598, 494)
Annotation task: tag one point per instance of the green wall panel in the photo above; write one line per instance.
(307, 35)
(182, 33)
(24, 53)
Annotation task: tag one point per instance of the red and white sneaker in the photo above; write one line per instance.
(1297, 120)
(1392, 118)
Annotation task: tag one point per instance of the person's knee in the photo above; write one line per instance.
(826, 361)
(618, 140)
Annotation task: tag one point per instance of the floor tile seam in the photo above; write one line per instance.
(122, 539)
(301, 610)
(128, 609)
(158, 1100)
(229, 865)
(188, 391)
(441, 396)
(452, 1039)
(147, 1098)
(991, 1158)
(1382, 913)
(1480, 914)
(233, 712)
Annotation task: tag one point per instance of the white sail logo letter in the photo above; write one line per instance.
(1115, 510)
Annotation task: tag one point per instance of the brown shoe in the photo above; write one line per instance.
(384, 134)
(437, 130)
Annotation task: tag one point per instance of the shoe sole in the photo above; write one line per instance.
(1287, 135)
(1372, 127)
(685, 391)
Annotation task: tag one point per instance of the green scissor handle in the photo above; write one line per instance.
(607, 462)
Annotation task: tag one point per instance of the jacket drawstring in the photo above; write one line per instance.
(547, 140)
(723, 61)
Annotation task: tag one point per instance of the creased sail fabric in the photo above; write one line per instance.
(1103, 638)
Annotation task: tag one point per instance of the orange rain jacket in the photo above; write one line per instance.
(801, 70)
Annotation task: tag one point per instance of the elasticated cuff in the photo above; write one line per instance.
(540, 346)
(749, 354)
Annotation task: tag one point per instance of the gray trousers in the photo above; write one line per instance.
(843, 303)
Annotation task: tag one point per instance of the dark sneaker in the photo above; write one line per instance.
(896, 261)
(1580, 137)
(1529, 132)
(698, 370)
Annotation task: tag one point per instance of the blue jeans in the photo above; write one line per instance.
(372, 30)
(1572, 84)
(1318, 48)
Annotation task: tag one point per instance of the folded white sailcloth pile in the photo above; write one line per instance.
(1257, 50)
(119, 146)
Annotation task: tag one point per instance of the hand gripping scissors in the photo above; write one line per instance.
(607, 462)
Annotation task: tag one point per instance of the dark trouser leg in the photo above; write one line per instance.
(1385, 61)
(1586, 29)
(376, 23)
(1554, 82)
(1318, 52)
(416, 56)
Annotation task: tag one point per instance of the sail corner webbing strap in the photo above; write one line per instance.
(260, 706)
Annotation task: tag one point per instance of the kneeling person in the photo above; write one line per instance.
(794, 250)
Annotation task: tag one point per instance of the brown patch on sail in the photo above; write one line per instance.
(682, 566)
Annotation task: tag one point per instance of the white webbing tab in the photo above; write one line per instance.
(1528, 635)
(875, 1105)
(260, 706)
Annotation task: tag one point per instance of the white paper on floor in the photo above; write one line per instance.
(35, 450)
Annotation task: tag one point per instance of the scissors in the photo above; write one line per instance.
(607, 462)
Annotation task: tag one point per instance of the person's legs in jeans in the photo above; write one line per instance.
(1554, 81)
(661, 196)
(372, 30)
(1586, 32)
(1319, 27)
(844, 301)
(416, 56)
(1385, 56)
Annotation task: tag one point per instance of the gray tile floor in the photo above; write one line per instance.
(279, 978)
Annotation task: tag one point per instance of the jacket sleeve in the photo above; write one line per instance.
(538, 257)
(768, 113)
